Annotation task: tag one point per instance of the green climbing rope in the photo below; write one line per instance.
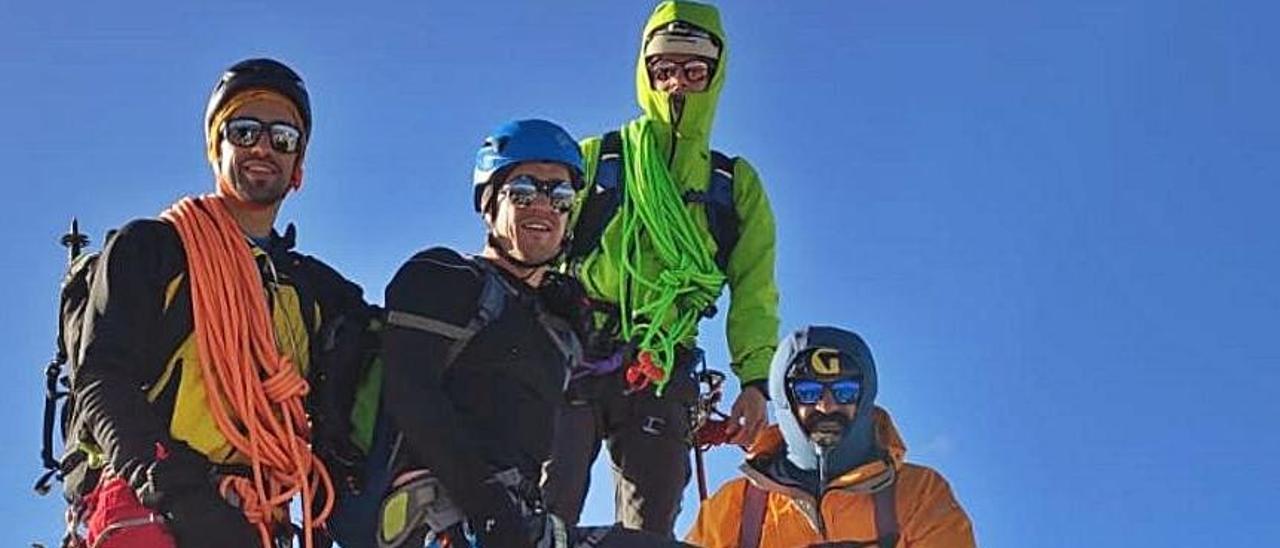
(660, 310)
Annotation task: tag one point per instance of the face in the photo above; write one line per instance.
(825, 421)
(259, 173)
(532, 232)
(679, 74)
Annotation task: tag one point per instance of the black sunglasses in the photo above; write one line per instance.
(245, 132)
(522, 190)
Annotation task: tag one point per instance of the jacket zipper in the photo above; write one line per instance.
(676, 114)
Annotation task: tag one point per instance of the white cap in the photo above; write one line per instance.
(681, 39)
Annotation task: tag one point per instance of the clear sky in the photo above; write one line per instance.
(1053, 221)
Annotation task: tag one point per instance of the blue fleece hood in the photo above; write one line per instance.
(858, 445)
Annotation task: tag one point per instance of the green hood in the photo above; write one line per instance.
(699, 108)
(752, 322)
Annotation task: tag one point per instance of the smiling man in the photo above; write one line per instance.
(477, 353)
(175, 305)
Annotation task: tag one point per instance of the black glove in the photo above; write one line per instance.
(178, 485)
(203, 519)
(565, 297)
(548, 531)
(513, 533)
(530, 527)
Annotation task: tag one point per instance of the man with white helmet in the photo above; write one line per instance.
(833, 470)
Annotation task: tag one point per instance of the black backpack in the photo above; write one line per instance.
(606, 197)
(73, 301)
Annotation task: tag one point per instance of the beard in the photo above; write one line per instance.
(256, 190)
(826, 430)
(507, 248)
(531, 252)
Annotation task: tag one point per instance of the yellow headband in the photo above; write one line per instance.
(233, 104)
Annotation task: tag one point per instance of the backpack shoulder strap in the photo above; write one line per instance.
(610, 153)
(886, 515)
(489, 305)
(606, 195)
(754, 501)
(493, 297)
(722, 214)
(722, 165)
(603, 199)
(303, 285)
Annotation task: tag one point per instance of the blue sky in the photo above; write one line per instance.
(1053, 221)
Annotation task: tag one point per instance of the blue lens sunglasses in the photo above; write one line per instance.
(809, 392)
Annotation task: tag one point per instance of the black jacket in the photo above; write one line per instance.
(493, 407)
(138, 336)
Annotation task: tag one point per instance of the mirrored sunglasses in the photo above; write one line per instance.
(522, 190)
(245, 132)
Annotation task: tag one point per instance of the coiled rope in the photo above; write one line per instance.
(254, 391)
(659, 311)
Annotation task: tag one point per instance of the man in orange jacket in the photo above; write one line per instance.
(832, 470)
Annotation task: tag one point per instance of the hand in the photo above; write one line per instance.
(344, 460)
(201, 518)
(177, 484)
(514, 533)
(747, 416)
(550, 531)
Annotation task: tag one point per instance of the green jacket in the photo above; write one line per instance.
(752, 326)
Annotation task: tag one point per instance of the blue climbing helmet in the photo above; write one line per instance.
(524, 141)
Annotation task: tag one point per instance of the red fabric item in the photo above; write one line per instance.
(712, 433)
(162, 452)
(644, 372)
(113, 503)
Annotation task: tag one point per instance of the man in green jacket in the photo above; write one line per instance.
(667, 225)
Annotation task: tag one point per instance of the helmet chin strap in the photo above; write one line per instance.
(496, 244)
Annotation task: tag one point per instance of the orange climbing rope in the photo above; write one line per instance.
(253, 390)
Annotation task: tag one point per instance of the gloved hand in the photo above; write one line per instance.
(528, 526)
(511, 532)
(538, 531)
(178, 485)
(565, 297)
(548, 531)
(203, 519)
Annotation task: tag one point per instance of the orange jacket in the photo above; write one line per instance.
(928, 514)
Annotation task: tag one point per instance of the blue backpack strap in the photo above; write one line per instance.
(493, 297)
(722, 216)
(603, 201)
(606, 197)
